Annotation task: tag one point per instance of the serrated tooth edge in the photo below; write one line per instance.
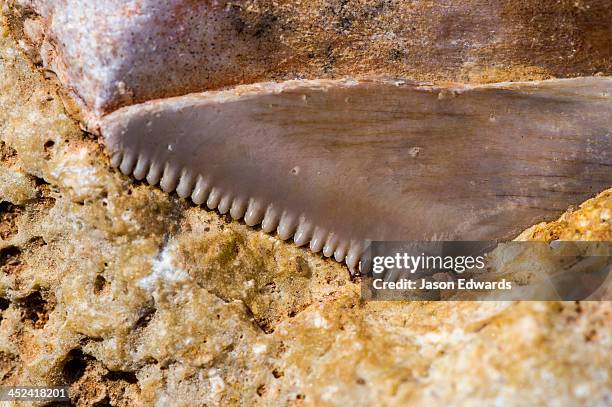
(200, 189)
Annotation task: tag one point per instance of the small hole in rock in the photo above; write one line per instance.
(47, 147)
(75, 366)
(277, 374)
(37, 242)
(99, 284)
(10, 256)
(4, 304)
(35, 309)
(129, 377)
(8, 219)
(146, 315)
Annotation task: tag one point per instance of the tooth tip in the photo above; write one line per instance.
(238, 208)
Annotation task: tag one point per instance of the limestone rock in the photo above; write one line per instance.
(134, 297)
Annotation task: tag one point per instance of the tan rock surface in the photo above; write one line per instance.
(458, 40)
(133, 297)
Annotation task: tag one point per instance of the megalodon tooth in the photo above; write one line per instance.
(336, 163)
(331, 163)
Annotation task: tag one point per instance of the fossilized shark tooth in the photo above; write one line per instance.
(336, 163)
(331, 163)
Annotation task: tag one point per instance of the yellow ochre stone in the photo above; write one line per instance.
(134, 297)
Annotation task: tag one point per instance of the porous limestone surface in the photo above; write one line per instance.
(133, 297)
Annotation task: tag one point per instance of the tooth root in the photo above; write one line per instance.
(185, 185)
(128, 162)
(354, 255)
(155, 173)
(340, 252)
(200, 192)
(318, 239)
(214, 198)
(116, 159)
(224, 205)
(238, 208)
(142, 166)
(270, 220)
(170, 178)
(287, 225)
(254, 213)
(303, 233)
(330, 245)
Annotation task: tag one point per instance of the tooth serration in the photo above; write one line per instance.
(128, 162)
(354, 255)
(201, 190)
(330, 245)
(170, 178)
(116, 159)
(214, 198)
(224, 204)
(142, 167)
(155, 173)
(303, 233)
(238, 208)
(270, 220)
(318, 239)
(254, 213)
(185, 185)
(286, 224)
(340, 252)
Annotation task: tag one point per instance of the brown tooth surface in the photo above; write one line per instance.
(381, 160)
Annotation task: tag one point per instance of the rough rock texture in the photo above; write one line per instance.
(123, 46)
(133, 297)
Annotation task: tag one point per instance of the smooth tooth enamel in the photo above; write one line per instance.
(318, 240)
(270, 220)
(170, 178)
(354, 255)
(185, 185)
(142, 166)
(200, 192)
(213, 199)
(330, 245)
(287, 225)
(340, 252)
(155, 173)
(238, 208)
(254, 213)
(116, 159)
(224, 205)
(303, 233)
(128, 162)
